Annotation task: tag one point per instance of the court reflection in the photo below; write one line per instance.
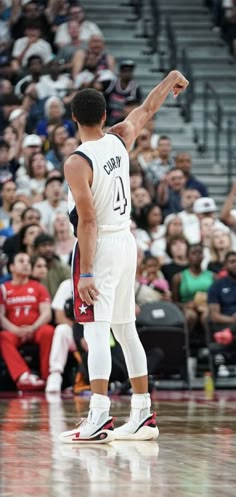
(195, 454)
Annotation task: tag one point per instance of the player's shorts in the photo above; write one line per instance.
(114, 269)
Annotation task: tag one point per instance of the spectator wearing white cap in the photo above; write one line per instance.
(228, 213)
(206, 207)
(31, 144)
(14, 115)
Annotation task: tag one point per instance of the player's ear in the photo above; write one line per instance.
(74, 118)
(104, 118)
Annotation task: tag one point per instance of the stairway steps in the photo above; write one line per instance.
(210, 62)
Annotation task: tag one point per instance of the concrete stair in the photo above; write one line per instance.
(210, 60)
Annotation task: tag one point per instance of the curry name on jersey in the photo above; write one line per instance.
(110, 187)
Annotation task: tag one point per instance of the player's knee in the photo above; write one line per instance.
(125, 332)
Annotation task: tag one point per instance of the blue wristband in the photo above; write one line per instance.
(86, 275)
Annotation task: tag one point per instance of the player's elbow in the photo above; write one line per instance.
(87, 223)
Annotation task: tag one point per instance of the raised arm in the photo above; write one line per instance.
(225, 214)
(130, 128)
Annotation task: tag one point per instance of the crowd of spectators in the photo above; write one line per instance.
(186, 248)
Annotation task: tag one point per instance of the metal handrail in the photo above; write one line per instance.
(187, 98)
(151, 27)
(137, 7)
(216, 118)
(172, 45)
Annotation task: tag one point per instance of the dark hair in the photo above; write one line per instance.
(22, 233)
(32, 24)
(173, 239)
(145, 211)
(135, 168)
(4, 144)
(232, 253)
(42, 239)
(30, 165)
(88, 107)
(193, 245)
(150, 257)
(35, 258)
(34, 57)
(12, 257)
(53, 145)
(14, 130)
(163, 137)
(10, 99)
(29, 209)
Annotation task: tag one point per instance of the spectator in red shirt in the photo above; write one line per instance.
(25, 314)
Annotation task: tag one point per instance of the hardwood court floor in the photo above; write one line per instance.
(195, 455)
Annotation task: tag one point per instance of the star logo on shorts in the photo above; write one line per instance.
(83, 309)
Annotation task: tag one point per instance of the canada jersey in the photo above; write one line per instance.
(21, 302)
(110, 187)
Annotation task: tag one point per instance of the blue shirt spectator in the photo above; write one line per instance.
(183, 161)
(223, 293)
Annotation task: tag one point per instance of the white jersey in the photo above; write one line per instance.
(110, 187)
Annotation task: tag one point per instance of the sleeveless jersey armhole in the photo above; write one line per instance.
(81, 154)
(119, 138)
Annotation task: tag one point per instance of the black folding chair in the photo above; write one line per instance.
(162, 324)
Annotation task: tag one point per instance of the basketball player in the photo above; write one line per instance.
(104, 262)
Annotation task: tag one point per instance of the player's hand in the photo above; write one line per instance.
(180, 83)
(88, 291)
(84, 344)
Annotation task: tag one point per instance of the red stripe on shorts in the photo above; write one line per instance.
(83, 313)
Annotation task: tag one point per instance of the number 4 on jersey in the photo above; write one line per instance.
(119, 199)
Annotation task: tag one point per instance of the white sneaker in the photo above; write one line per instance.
(54, 383)
(223, 371)
(87, 432)
(29, 382)
(144, 430)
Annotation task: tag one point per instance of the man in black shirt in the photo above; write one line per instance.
(222, 307)
(222, 296)
(119, 90)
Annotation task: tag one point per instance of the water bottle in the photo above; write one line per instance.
(209, 385)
